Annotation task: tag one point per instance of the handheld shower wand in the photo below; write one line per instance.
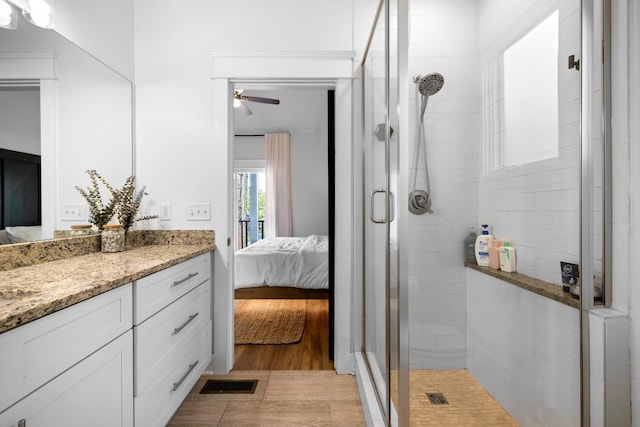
(420, 200)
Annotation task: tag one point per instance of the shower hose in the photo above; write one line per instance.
(420, 200)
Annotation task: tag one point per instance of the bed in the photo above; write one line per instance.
(283, 267)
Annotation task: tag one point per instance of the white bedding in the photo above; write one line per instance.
(301, 262)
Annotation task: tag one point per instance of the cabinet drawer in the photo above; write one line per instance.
(95, 392)
(39, 351)
(158, 290)
(156, 405)
(159, 338)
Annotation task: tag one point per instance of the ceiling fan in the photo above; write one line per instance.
(239, 98)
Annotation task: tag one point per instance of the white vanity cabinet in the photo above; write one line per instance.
(172, 337)
(72, 368)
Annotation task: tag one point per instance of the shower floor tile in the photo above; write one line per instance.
(469, 404)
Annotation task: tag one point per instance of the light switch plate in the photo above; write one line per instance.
(165, 211)
(73, 212)
(198, 211)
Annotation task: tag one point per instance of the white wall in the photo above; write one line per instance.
(303, 114)
(20, 120)
(181, 155)
(309, 178)
(105, 29)
(629, 234)
(525, 351)
(436, 272)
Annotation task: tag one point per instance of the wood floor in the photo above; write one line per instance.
(281, 398)
(311, 353)
(296, 385)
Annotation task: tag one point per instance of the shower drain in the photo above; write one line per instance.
(437, 399)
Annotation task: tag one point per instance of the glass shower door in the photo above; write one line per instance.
(380, 205)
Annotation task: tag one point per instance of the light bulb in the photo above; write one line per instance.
(7, 16)
(39, 13)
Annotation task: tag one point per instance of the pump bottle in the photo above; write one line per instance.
(482, 246)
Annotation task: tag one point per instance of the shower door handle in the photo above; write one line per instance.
(371, 200)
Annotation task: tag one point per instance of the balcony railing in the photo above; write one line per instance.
(244, 232)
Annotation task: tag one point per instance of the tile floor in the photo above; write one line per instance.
(281, 398)
(323, 398)
(469, 403)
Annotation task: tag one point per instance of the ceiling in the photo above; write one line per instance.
(300, 110)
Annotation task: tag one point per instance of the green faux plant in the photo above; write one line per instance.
(124, 202)
(99, 213)
(129, 203)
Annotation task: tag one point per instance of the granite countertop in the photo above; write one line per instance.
(537, 286)
(31, 292)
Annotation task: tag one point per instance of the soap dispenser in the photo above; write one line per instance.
(470, 247)
(482, 246)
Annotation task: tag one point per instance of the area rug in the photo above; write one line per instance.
(269, 321)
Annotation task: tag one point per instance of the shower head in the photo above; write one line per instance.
(430, 84)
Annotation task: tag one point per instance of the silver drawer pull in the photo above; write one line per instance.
(184, 377)
(190, 276)
(177, 330)
(22, 423)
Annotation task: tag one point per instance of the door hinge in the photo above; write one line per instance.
(574, 63)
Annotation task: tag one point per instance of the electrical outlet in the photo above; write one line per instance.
(165, 211)
(198, 211)
(72, 212)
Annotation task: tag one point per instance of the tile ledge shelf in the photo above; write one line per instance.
(537, 286)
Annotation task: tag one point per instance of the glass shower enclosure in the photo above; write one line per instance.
(491, 158)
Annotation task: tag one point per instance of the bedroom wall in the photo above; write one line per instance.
(309, 177)
(20, 120)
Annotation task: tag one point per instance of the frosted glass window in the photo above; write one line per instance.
(531, 96)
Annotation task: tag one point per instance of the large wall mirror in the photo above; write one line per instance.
(62, 107)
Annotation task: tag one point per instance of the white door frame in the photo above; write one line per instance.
(305, 69)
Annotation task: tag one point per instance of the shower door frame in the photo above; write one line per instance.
(396, 339)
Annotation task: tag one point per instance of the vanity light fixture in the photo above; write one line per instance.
(8, 16)
(40, 13)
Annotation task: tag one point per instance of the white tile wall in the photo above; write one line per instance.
(443, 39)
(525, 350)
(537, 205)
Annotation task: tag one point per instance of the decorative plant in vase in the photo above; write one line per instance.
(124, 203)
(129, 204)
(99, 213)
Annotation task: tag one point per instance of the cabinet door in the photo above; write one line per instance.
(96, 392)
(161, 399)
(37, 352)
(159, 338)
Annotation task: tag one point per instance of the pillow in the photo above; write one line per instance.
(22, 234)
(4, 238)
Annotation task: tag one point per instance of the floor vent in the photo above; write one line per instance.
(229, 386)
(437, 399)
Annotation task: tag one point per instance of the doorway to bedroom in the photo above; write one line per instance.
(283, 201)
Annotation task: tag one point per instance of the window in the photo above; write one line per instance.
(531, 96)
(250, 192)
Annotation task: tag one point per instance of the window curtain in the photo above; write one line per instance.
(277, 186)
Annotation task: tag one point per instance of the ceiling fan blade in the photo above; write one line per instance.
(244, 109)
(259, 99)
